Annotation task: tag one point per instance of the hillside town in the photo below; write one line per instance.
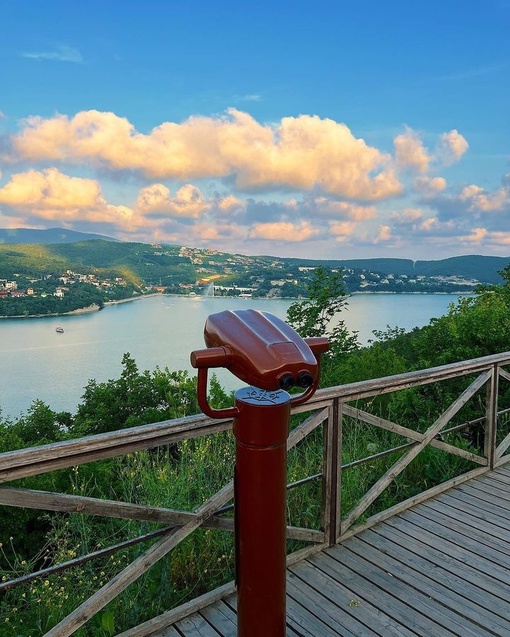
(47, 286)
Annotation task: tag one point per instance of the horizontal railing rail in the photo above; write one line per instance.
(332, 411)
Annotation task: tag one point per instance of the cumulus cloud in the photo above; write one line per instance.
(156, 200)
(51, 195)
(451, 147)
(410, 152)
(204, 232)
(430, 224)
(479, 199)
(301, 153)
(230, 204)
(283, 231)
(50, 189)
(185, 216)
(407, 216)
(477, 236)
(342, 209)
(308, 179)
(428, 186)
(342, 230)
(384, 234)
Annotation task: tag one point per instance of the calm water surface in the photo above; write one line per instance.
(36, 362)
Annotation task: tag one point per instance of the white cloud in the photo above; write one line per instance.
(61, 53)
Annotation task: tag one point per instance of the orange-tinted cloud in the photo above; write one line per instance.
(501, 238)
(410, 152)
(407, 216)
(342, 230)
(481, 200)
(384, 234)
(451, 147)
(301, 152)
(283, 231)
(230, 204)
(157, 200)
(429, 186)
(50, 189)
(344, 209)
(51, 195)
(477, 236)
(427, 225)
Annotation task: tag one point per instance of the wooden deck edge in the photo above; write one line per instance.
(305, 552)
(410, 502)
(174, 615)
(170, 617)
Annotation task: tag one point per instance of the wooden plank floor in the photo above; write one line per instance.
(441, 569)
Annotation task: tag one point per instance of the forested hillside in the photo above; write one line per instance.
(181, 269)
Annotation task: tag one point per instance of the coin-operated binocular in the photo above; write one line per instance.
(265, 352)
(261, 350)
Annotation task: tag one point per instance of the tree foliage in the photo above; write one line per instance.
(317, 314)
(135, 398)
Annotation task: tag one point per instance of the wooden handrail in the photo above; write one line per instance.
(328, 408)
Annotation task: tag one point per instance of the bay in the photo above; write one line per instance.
(38, 363)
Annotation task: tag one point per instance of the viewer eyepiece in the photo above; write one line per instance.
(305, 379)
(286, 382)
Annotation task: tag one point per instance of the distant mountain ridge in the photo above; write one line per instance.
(482, 268)
(47, 236)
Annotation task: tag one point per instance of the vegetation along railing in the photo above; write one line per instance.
(350, 466)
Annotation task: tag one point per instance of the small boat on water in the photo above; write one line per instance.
(59, 330)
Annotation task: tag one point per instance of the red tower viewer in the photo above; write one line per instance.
(265, 352)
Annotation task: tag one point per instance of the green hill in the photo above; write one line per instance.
(51, 235)
(143, 265)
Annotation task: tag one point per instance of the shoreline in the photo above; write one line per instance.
(96, 308)
(82, 310)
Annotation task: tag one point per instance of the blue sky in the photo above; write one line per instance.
(316, 129)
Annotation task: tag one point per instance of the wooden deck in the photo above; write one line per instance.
(440, 569)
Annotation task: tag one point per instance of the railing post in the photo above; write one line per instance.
(491, 417)
(333, 472)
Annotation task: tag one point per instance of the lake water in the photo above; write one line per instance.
(36, 362)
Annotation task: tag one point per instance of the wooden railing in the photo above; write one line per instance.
(335, 410)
